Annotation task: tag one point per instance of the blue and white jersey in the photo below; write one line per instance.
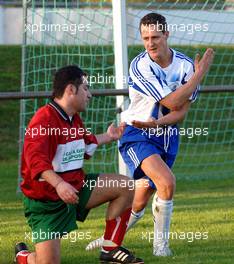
(149, 83)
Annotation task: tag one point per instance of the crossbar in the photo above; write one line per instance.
(100, 92)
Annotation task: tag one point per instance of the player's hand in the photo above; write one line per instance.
(202, 64)
(151, 123)
(67, 193)
(116, 132)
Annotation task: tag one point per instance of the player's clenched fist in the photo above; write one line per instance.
(67, 193)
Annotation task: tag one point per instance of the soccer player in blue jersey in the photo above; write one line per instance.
(162, 85)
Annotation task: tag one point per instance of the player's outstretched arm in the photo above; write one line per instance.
(173, 117)
(113, 133)
(179, 97)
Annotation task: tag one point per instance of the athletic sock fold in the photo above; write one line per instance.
(134, 218)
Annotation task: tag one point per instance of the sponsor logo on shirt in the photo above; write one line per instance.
(75, 154)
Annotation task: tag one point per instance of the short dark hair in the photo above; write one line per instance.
(154, 19)
(71, 74)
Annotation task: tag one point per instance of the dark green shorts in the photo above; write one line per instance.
(51, 220)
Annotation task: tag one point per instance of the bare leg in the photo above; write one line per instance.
(157, 170)
(118, 191)
(162, 206)
(119, 195)
(46, 253)
(143, 192)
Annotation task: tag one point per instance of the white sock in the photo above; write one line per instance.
(134, 218)
(162, 211)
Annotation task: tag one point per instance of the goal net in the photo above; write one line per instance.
(58, 33)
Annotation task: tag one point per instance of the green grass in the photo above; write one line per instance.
(10, 68)
(200, 206)
(214, 111)
(204, 197)
(207, 111)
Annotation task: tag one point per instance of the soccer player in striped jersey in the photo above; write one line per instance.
(162, 85)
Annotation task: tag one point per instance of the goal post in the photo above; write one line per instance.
(121, 60)
(22, 89)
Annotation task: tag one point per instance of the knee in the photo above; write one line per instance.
(168, 188)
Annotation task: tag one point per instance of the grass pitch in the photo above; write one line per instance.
(203, 207)
(203, 220)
